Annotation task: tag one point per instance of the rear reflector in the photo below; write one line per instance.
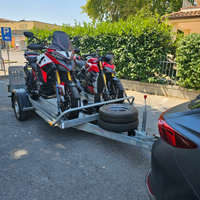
(172, 137)
(148, 184)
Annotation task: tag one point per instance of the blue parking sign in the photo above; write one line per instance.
(6, 34)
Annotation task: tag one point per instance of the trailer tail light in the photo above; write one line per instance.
(172, 137)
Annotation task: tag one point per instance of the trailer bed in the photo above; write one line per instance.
(48, 110)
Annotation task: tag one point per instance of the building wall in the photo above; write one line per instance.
(24, 25)
(44, 25)
(27, 25)
(17, 28)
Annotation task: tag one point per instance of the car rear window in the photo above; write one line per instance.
(195, 104)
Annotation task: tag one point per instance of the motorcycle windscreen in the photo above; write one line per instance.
(61, 42)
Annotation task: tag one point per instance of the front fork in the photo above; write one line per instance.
(104, 79)
(57, 89)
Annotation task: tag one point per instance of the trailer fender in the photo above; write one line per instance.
(22, 97)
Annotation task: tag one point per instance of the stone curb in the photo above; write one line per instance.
(4, 76)
(153, 88)
(160, 89)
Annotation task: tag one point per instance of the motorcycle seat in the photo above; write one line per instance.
(31, 56)
(80, 63)
(34, 66)
(31, 53)
(31, 59)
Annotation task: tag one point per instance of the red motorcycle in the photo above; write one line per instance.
(50, 74)
(97, 75)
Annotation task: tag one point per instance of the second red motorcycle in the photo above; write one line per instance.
(97, 75)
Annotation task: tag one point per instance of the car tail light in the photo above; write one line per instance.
(172, 137)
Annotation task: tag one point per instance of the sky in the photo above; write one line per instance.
(50, 11)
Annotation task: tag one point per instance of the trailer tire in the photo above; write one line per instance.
(20, 114)
(116, 127)
(118, 113)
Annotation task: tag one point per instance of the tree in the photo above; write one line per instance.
(122, 9)
(112, 9)
(162, 6)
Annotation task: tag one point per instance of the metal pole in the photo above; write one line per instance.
(1, 62)
(0, 44)
(0, 50)
(8, 53)
(144, 116)
(89, 106)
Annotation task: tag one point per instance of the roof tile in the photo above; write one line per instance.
(183, 14)
(5, 20)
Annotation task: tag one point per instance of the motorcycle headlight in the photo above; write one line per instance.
(58, 56)
(62, 68)
(71, 54)
(109, 70)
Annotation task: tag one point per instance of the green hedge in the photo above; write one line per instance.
(138, 43)
(188, 59)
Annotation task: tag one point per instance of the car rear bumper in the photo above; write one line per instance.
(148, 187)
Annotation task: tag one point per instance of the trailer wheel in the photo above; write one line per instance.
(116, 127)
(118, 113)
(20, 115)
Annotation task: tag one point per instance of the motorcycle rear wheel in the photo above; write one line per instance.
(33, 95)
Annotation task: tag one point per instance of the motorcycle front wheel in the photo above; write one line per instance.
(72, 100)
(116, 91)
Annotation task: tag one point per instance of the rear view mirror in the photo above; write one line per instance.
(45, 43)
(28, 34)
(75, 39)
(77, 50)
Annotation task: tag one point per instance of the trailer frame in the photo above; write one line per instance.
(47, 109)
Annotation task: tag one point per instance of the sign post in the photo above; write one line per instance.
(1, 61)
(0, 50)
(6, 36)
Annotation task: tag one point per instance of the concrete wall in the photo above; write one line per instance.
(160, 89)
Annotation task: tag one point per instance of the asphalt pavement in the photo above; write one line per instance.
(40, 162)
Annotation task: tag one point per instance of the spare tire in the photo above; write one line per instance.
(118, 127)
(118, 113)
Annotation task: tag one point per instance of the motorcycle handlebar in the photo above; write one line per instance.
(92, 54)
